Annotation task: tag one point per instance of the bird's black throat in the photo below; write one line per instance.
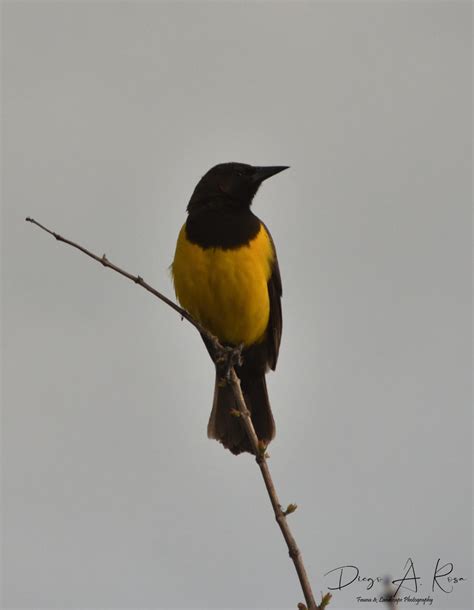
(225, 228)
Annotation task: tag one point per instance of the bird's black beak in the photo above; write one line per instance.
(262, 173)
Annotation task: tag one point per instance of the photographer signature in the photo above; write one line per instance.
(442, 578)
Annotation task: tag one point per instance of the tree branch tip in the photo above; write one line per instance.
(325, 600)
(302, 606)
(291, 508)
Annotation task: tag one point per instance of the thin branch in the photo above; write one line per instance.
(258, 447)
(103, 260)
(280, 514)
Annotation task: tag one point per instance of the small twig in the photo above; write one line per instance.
(242, 411)
(280, 515)
(103, 260)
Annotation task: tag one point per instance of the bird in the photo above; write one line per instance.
(226, 275)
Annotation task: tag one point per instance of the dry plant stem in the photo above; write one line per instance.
(280, 515)
(103, 260)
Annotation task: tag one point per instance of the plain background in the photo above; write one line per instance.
(112, 494)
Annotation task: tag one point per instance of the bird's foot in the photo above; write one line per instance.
(226, 358)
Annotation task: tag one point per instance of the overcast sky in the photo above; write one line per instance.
(112, 494)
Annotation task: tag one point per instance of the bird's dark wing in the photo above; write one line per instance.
(275, 323)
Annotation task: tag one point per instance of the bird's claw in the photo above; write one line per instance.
(226, 359)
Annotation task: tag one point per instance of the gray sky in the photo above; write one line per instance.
(112, 494)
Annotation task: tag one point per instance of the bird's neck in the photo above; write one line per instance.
(225, 228)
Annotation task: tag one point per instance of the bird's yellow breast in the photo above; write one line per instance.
(226, 290)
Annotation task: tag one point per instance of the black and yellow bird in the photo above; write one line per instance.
(226, 275)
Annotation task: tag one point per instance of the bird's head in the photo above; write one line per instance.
(230, 184)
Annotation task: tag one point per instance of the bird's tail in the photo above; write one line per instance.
(227, 428)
